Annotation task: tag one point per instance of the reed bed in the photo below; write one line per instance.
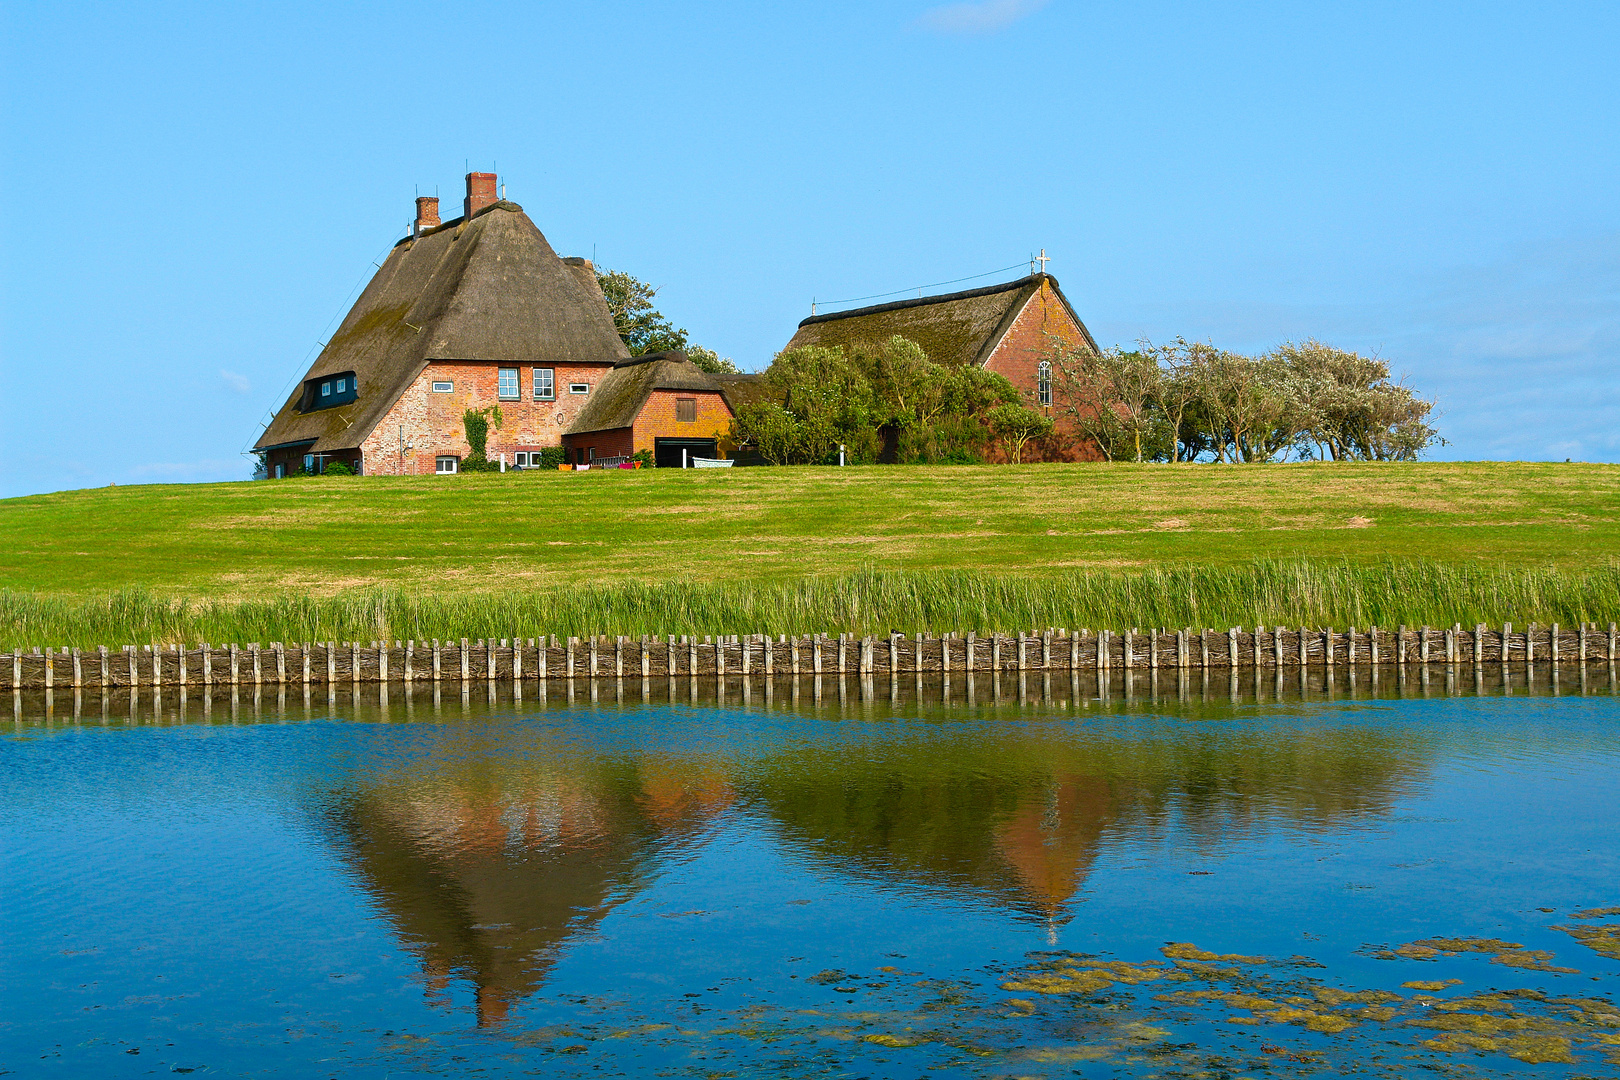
(1267, 592)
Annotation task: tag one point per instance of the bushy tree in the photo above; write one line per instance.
(867, 397)
(1178, 401)
(644, 329)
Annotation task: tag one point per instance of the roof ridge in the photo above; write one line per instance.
(923, 301)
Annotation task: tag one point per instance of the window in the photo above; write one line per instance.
(545, 384)
(506, 384)
(328, 391)
(685, 410)
(579, 388)
(443, 386)
(446, 464)
(1043, 383)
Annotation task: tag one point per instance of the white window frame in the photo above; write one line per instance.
(326, 388)
(340, 386)
(444, 386)
(549, 381)
(517, 384)
(579, 388)
(1043, 383)
(438, 465)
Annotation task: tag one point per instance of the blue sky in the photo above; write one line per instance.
(198, 191)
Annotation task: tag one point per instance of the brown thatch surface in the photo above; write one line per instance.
(742, 389)
(486, 289)
(618, 398)
(953, 328)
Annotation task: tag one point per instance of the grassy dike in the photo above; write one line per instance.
(799, 550)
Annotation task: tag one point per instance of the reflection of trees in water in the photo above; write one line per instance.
(487, 859)
(1020, 819)
(485, 877)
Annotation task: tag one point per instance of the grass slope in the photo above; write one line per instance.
(444, 536)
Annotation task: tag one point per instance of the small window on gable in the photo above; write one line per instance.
(329, 391)
(579, 388)
(443, 386)
(1043, 383)
(545, 384)
(685, 410)
(506, 384)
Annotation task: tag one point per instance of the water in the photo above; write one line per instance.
(1178, 877)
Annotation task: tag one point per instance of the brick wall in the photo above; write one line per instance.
(1018, 357)
(616, 443)
(432, 420)
(657, 418)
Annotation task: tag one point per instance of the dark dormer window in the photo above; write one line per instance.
(328, 391)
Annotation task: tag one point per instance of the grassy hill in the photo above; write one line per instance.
(557, 534)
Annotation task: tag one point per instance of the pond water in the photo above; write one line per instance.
(1397, 874)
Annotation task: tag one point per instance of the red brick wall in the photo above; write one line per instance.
(615, 443)
(657, 418)
(433, 423)
(1018, 357)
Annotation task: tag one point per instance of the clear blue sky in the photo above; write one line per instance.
(197, 190)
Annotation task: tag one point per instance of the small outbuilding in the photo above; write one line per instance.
(662, 403)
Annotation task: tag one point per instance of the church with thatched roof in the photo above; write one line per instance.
(476, 312)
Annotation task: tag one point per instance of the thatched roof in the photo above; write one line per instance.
(743, 388)
(953, 328)
(618, 398)
(489, 288)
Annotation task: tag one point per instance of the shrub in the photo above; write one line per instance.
(337, 468)
(552, 456)
(645, 457)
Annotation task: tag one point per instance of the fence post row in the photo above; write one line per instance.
(1059, 650)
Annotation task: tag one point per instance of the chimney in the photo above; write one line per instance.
(427, 214)
(480, 191)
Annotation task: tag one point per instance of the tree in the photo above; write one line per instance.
(868, 397)
(710, 361)
(477, 423)
(644, 329)
(1015, 425)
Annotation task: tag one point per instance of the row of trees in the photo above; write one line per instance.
(883, 402)
(1183, 400)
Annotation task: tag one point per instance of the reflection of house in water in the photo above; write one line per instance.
(487, 879)
(1020, 821)
(1025, 842)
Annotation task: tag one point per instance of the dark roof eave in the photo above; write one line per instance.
(924, 301)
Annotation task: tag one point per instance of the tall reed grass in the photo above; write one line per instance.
(1288, 593)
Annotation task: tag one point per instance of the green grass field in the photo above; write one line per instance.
(640, 546)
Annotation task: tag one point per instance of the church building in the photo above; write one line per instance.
(475, 312)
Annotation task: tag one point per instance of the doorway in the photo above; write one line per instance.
(667, 452)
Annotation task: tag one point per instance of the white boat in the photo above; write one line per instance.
(711, 463)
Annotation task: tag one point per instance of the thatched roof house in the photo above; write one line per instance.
(1009, 329)
(470, 313)
(661, 401)
(969, 327)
